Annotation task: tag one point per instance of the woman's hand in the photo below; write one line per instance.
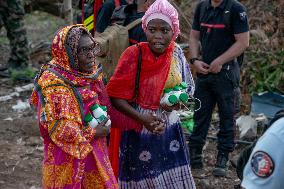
(160, 128)
(102, 130)
(151, 122)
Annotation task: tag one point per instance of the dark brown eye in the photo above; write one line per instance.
(165, 31)
(151, 30)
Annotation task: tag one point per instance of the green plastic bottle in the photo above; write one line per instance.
(91, 121)
(169, 98)
(100, 114)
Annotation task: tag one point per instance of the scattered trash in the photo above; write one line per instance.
(20, 141)
(21, 106)
(8, 97)
(247, 126)
(34, 187)
(8, 119)
(28, 87)
(13, 169)
(40, 148)
(17, 92)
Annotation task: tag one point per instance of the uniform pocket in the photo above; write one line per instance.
(233, 75)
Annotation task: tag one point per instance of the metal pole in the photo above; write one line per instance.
(68, 13)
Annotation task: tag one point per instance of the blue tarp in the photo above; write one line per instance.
(267, 103)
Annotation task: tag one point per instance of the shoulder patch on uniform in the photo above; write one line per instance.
(262, 164)
(243, 16)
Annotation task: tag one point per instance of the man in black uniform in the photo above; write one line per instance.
(218, 74)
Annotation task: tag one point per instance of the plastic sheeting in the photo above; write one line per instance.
(267, 103)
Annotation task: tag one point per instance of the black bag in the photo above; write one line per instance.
(134, 103)
(227, 20)
(137, 78)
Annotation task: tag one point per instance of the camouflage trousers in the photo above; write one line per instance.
(11, 16)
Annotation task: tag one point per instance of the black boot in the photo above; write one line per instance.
(221, 164)
(196, 158)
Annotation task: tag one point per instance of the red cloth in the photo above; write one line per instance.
(116, 118)
(153, 75)
(113, 148)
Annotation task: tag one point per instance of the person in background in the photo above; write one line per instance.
(75, 152)
(11, 16)
(264, 168)
(133, 11)
(103, 19)
(218, 75)
(152, 154)
(137, 34)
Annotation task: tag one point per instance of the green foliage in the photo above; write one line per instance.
(265, 71)
(22, 74)
(4, 40)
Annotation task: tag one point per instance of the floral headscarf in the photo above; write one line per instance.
(65, 60)
(65, 66)
(162, 9)
(71, 45)
(64, 49)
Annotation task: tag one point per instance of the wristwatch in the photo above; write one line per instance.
(192, 60)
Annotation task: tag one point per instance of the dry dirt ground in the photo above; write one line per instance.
(21, 148)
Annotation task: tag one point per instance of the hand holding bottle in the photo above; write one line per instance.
(102, 130)
(170, 108)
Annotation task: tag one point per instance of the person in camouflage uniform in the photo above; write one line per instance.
(11, 16)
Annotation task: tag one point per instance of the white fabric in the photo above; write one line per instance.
(159, 16)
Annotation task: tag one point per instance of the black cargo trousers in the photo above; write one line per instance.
(221, 89)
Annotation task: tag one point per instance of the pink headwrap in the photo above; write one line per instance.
(162, 9)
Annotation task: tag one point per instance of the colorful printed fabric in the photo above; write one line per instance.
(179, 71)
(63, 96)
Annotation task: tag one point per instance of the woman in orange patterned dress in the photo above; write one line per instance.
(75, 153)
